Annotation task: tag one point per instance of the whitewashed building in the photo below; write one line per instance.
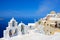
(14, 29)
(23, 29)
(31, 25)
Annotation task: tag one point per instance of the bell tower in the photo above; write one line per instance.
(12, 23)
(12, 29)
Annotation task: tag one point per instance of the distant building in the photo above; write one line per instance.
(23, 29)
(51, 23)
(31, 25)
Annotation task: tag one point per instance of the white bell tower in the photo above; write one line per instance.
(12, 23)
(12, 29)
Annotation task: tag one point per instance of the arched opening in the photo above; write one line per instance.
(13, 23)
(56, 24)
(22, 29)
(10, 33)
(59, 25)
(16, 32)
(30, 27)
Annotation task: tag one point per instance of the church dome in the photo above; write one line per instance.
(52, 12)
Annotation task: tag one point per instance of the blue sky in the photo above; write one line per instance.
(28, 8)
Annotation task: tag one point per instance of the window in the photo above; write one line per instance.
(47, 30)
(39, 22)
(30, 26)
(13, 23)
(56, 24)
(59, 24)
(44, 22)
(51, 25)
(50, 32)
(47, 24)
